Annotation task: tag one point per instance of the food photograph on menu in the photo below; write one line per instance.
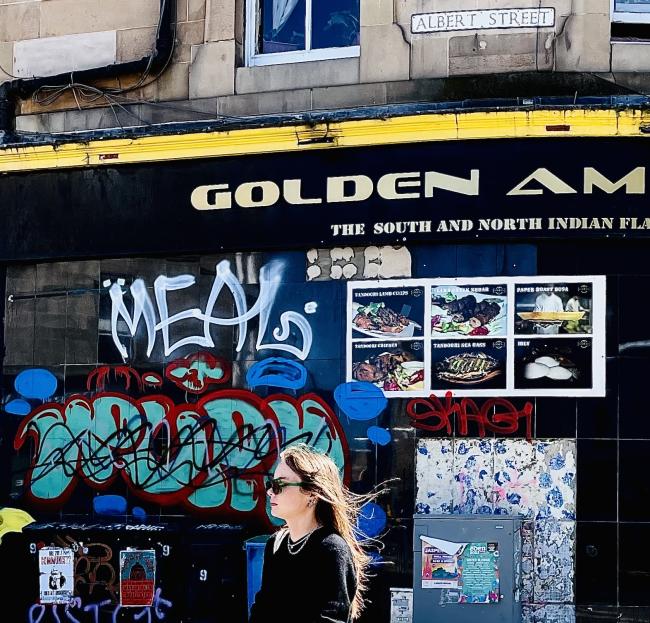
(391, 366)
(470, 364)
(388, 313)
(469, 311)
(554, 308)
(560, 363)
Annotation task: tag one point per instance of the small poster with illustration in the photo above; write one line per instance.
(387, 313)
(478, 568)
(137, 577)
(479, 310)
(56, 575)
(392, 366)
(440, 562)
(554, 308)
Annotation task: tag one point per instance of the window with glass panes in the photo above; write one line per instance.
(631, 10)
(304, 29)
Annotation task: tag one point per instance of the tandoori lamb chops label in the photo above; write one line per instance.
(394, 313)
(478, 336)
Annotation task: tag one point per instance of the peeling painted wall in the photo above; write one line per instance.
(512, 477)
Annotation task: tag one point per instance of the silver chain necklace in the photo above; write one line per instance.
(296, 547)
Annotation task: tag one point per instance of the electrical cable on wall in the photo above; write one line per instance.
(46, 95)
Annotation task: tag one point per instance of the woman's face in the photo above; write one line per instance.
(291, 501)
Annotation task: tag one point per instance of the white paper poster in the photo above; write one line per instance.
(56, 575)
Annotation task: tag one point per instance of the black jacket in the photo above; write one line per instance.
(316, 585)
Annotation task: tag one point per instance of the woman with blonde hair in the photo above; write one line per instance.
(315, 570)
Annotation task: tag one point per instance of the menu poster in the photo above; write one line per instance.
(467, 364)
(478, 336)
(469, 310)
(387, 313)
(553, 363)
(479, 574)
(391, 366)
(554, 308)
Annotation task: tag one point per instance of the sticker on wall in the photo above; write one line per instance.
(56, 575)
(440, 563)
(472, 568)
(401, 605)
(137, 577)
(483, 336)
(479, 574)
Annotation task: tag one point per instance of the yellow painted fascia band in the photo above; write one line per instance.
(358, 133)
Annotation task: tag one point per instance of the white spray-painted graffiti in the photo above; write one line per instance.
(39, 613)
(143, 309)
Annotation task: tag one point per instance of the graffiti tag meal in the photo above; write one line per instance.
(468, 368)
(376, 317)
(465, 315)
(392, 371)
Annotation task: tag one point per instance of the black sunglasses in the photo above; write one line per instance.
(277, 484)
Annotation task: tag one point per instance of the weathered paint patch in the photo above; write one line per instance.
(554, 549)
(434, 470)
(503, 477)
(473, 476)
(549, 613)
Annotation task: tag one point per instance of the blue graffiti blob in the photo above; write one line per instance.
(423, 450)
(139, 513)
(18, 407)
(378, 435)
(360, 400)
(36, 383)
(422, 509)
(109, 505)
(372, 520)
(545, 480)
(557, 462)
(277, 372)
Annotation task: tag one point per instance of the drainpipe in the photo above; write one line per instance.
(13, 91)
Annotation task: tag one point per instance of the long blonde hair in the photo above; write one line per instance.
(336, 507)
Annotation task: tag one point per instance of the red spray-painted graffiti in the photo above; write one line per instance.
(496, 415)
(209, 455)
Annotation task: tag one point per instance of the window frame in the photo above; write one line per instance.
(259, 59)
(629, 17)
